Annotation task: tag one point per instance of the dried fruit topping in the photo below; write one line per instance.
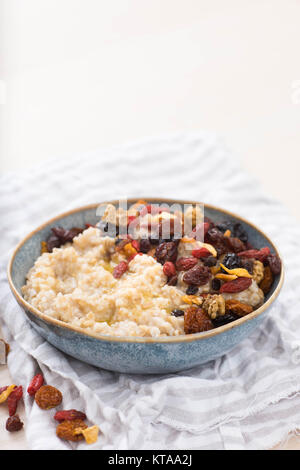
(258, 271)
(236, 229)
(247, 264)
(237, 285)
(235, 307)
(166, 251)
(145, 245)
(215, 284)
(71, 430)
(210, 261)
(235, 244)
(196, 320)
(177, 312)
(61, 236)
(197, 276)
(90, 434)
(6, 392)
(214, 305)
(240, 272)
(172, 281)
(69, 415)
(201, 253)
(261, 254)
(192, 299)
(120, 269)
(14, 424)
(48, 397)
(232, 261)
(274, 263)
(226, 277)
(35, 384)
(216, 238)
(13, 399)
(169, 269)
(266, 283)
(192, 290)
(186, 263)
(224, 319)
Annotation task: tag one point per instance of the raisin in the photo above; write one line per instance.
(166, 251)
(225, 225)
(169, 269)
(216, 284)
(192, 290)
(224, 319)
(237, 285)
(235, 244)
(240, 232)
(231, 261)
(177, 312)
(186, 263)
(201, 253)
(210, 261)
(53, 242)
(247, 264)
(68, 430)
(145, 245)
(196, 320)
(216, 238)
(13, 399)
(198, 275)
(172, 281)
(266, 283)
(48, 397)
(274, 263)
(237, 308)
(14, 423)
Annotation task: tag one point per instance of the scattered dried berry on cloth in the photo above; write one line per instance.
(197, 276)
(237, 285)
(71, 430)
(13, 399)
(196, 320)
(266, 284)
(6, 392)
(69, 415)
(48, 397)
(237, 308)
(35, 384)
(14, 423)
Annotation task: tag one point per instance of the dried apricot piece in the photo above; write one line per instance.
(48, 397)
(69, 430)
(236, 307)
(266, 283)
(196, 320)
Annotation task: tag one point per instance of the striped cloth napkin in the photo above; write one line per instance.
(248, 398)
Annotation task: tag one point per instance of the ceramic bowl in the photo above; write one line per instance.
(134, 354)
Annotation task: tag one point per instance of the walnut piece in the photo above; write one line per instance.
(258, 271)
(214, 305)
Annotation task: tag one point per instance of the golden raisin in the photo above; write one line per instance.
(237, 308)
(68, 430)
(196, 320)
(48, 397)
(267, 281)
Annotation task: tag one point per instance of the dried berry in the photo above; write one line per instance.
(235, 244)
(274, 263)
(261, 254)
(172, 281)
(145, 245)
(197, 276)
(224, 319)
(231, 261)
(216, 284)
(35, 384)
(48, 397)
(69, 415)
(266, 283)
(192, 290)
(120, 269)
(247, 264)
(196, 320)
(166, 251)
(201, 253)
(237, 285)
(70, 430)
(237, 308)
(169, 269)
(177, 312)
(225, 225)
(210, 261)
(14, 423)
(13, 399)
(216, 238)
(61, 236)
(186, 263)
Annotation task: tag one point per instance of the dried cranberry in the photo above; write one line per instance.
(145, 245)
(274, 263)
(166, 251)
(177, 312)
(192, 290)
(224, 319)
(198, 275)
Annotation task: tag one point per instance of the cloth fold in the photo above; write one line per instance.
(248, 398)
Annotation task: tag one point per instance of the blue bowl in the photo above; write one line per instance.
(134, 354)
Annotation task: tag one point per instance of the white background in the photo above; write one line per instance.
(85, 74)
(79, 75)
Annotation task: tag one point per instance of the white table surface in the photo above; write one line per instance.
(79, 75)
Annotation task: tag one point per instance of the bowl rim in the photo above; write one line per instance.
(139, 339)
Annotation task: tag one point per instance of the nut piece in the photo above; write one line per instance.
(71, 430)
(235, 307)
(258, 271)
(267, 281)
(196, 320)
(214, 305)
(48, 397)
